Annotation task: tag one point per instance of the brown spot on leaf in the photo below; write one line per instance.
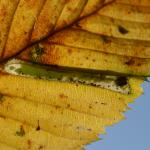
(128, 12)
(89, 129)
(134, 62)
(103, 103)
(1, 98)
(51, 54)
(2, 116)
(68, 105)
(3, 12)
(77, 84)
(130, 62)
(57, 107)
(105, 39)
(69, 9)
(78, 25)
(90, 106)
(93, 60)
(105, 60)
(63, 96)
(31, 3)
(70, 51)
(122, 29)
(29, 144)
(38, 127)
(41, 147)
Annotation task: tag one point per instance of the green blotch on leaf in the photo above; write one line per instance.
(21, 131)
(105, 39)
(12, 68)
(85, 77)
(36, 53)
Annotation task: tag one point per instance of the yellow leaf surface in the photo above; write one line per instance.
(6, 147)
(22, 25)
(56, 120)
(114, 27)
(70, 13)
(135, 2)
(7, 10)
(86, 40)
(83, 98)
(54, 54)
(23, 137)
(126, 12)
